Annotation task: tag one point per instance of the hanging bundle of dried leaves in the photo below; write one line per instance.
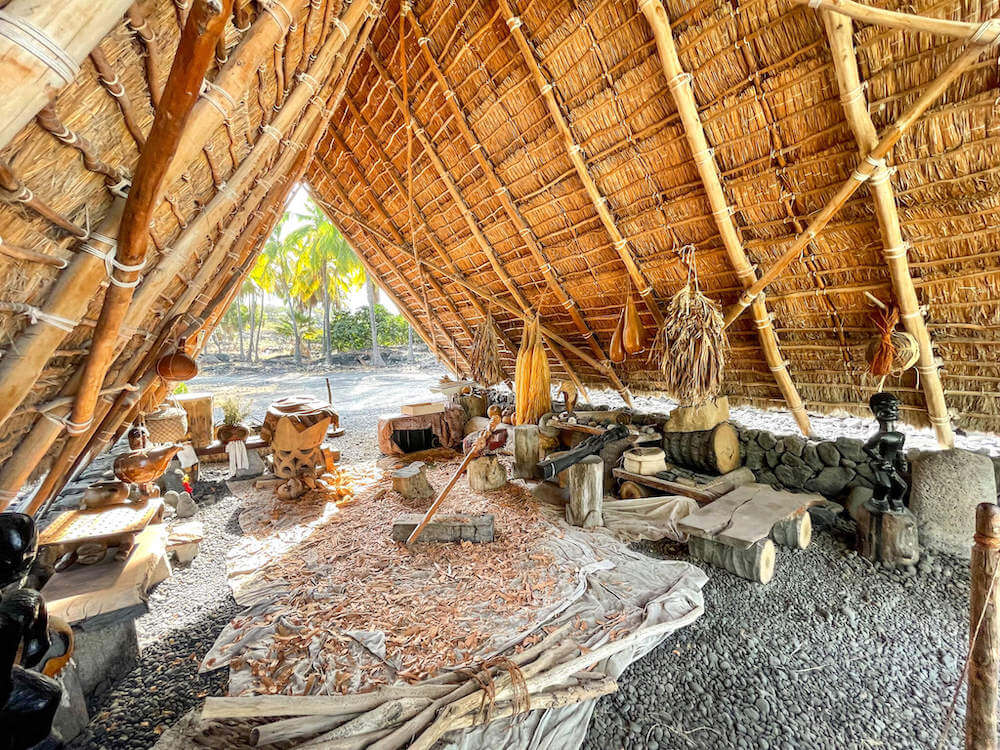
(532, 380)
(691, 345)
(485, 355)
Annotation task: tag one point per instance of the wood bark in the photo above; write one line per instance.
(861, 174)
(678, 81)
(410, 481)
(716, 450)
(586, 493)
(195, 54)
(72, 29)
(526, 451)
(756, 563)
(840, 32)
(984, 631)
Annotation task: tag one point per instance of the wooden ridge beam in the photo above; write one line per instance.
(840, 31)
(471, 222)
(866, 168)
(546, 89)
(679, 83)
(500, 189)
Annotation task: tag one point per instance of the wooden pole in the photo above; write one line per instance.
(860, 175)
(679, 83)
(984, 631)
(546, 89)
(839, 29)
(195, 54)
(987, 32)
(517, 219)
(41, 47)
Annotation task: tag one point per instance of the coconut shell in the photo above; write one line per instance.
(634, 337)
(617, 351)
(177, 366)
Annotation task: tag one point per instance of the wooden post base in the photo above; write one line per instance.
(526, 451)
(795, 532)
(888, 537)
(756, 563)
(411, 482)
(586, 493)
(486, 473)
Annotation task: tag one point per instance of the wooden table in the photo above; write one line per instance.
(703, 493)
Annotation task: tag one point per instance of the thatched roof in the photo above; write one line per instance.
(551, 171)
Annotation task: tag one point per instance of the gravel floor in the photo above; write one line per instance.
(832, 653)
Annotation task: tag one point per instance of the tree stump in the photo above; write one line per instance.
(526, 451)
(486, 473)
(411, 482)
(716, 450)
(474, 406)
(756, 563)
(889, 537)
(793, 532)
(586, 493)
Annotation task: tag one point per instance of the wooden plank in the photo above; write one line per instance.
(84, 592)
(746, 515)
(108, 524)
(425, 407)
(703, 493)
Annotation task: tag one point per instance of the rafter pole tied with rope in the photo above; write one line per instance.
(839, 29)
(862, 174)
(704, 158)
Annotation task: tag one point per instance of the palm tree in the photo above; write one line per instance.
(327, 267)
(275, 272)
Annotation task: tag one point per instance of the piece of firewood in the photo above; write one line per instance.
(755, 563)
(386, 716)
(295, 728)
(314, 705)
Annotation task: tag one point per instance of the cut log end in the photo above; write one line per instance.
(756, 563)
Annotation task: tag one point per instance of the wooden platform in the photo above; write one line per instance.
(110, 525)
(746, 515)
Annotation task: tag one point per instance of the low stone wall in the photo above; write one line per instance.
(828, 467)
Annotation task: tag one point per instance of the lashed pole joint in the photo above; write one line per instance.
(840, 32)
(679, 84)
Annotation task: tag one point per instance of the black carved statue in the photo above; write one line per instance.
(887, 458)
(28, 698)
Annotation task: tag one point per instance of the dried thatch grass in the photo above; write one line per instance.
(484, 357)
(691, 347)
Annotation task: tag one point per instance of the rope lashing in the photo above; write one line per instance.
(679, 80)
(269, 7)
(546, 88)
(815, 4)
(121, 187)
(882, 175)
(342, 28)
(423, 41)
(209, 89)
(856, 93)
(273, 132)
(112, 85)
(762, 323)
(568, 303)
(779, 367)
(111, 263)
(38, 315)
(986, 27)
(704, 155)
(39, 45)
(23, 195)
(514, 23)
(896, 251)
(76, 428)
(310, 82)
(725, 211)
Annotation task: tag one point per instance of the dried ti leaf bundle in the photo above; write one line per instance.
(893, 352)
(485, 355)
(532, 379)
(691, 347)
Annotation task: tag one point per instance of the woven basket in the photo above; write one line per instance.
(167, 425)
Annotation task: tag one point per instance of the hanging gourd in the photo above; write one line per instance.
(177, 366)
(634, 337)
(617, 350)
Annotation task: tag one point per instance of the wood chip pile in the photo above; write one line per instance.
(438, 605)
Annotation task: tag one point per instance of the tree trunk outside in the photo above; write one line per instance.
(373, 324)
(295, 332)
(326, 315)
(409, 341)
(253, 323)
(260, 324)
(239, 325)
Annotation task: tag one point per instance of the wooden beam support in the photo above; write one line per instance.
(546, 89)
(195, 54)
(987, 32)
(840, 31)
(470, 219)
(862, 174)
(500, 189)
(679, 83)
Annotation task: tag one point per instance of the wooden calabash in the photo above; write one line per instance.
(177, 366)
(144, 465)
(634, 338)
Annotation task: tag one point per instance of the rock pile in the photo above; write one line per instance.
(829, 467)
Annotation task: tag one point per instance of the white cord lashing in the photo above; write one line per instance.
(37, 43)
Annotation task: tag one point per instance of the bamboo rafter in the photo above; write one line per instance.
(679, 84)
(840, 32)
(546, 88)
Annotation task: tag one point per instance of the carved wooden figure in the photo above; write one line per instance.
(297, 447)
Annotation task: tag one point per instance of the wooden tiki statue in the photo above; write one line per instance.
(297, 447)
